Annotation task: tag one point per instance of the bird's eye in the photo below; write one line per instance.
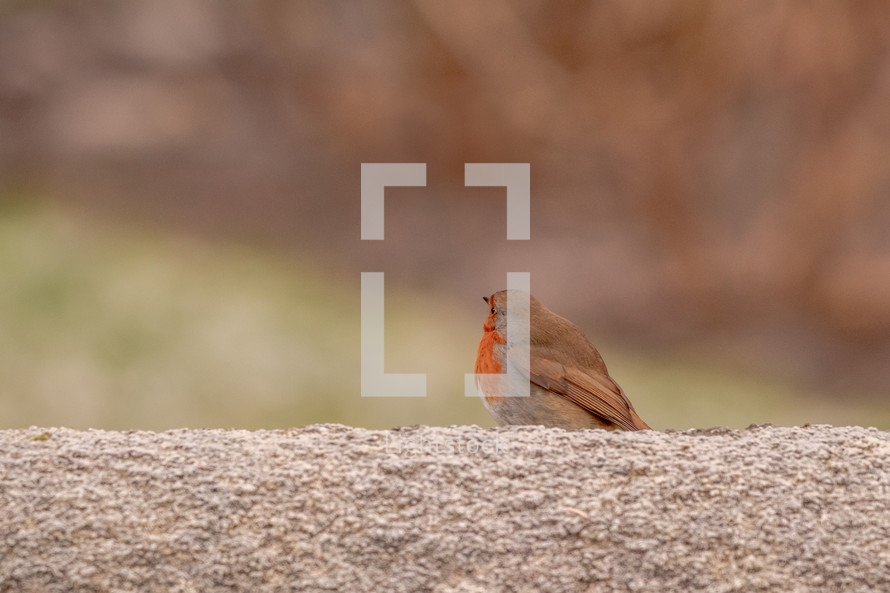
(493, 310)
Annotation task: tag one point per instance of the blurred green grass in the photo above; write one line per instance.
(117, 326)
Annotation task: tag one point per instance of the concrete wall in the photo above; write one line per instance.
(526, 509)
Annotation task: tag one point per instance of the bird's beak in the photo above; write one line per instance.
(485, 299)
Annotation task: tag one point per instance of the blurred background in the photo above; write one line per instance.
(180, 183)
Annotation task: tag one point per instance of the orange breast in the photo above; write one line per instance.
(486, 361)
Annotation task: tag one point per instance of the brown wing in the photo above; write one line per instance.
(596, 393)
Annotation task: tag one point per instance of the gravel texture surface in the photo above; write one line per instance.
(332, 508)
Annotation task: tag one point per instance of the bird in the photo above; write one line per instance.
(569, 385)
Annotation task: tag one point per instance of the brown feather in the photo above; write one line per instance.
(581, 377)
(594, 392)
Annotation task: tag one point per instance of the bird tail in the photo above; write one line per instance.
(638, 422)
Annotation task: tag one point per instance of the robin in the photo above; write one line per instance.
(570, 386)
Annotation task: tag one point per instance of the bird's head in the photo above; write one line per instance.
(520, 304)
